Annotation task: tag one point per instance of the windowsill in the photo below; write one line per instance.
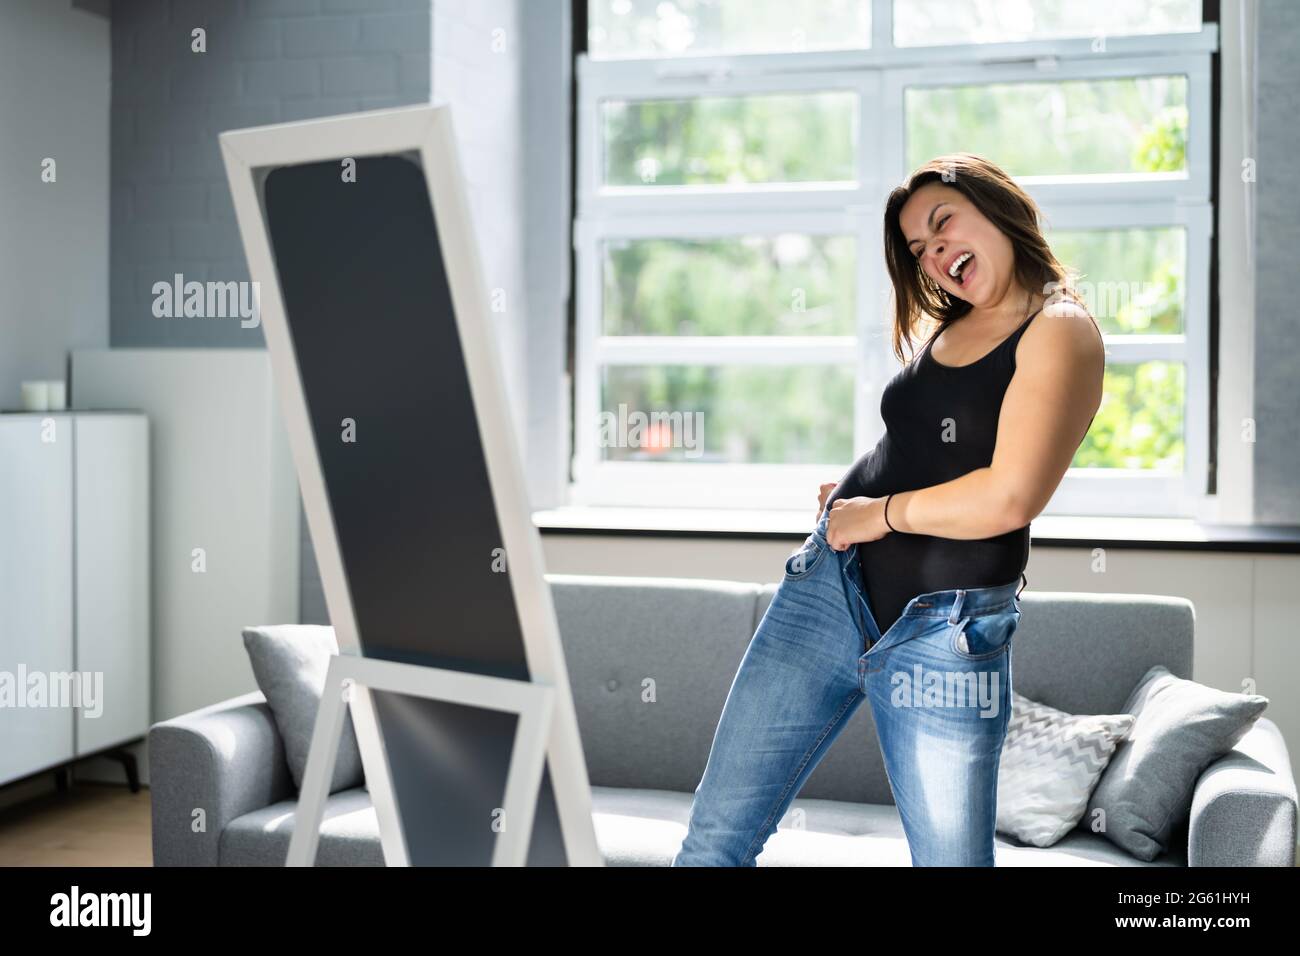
(1049, 531)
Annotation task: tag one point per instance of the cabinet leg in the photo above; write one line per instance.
(128, 762)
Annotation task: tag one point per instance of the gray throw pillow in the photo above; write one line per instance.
(290, 662)
(1181, 728)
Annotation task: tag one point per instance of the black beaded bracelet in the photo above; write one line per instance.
(887, 524)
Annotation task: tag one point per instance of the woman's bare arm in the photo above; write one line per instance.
(1055, 392)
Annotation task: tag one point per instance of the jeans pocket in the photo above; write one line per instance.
(983, 636)
(805, 559)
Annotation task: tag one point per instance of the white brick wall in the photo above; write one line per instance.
(477, 48)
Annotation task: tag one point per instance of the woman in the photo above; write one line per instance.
(906, 591)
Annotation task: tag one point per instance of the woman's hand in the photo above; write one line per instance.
(855, 521)
(826, 489)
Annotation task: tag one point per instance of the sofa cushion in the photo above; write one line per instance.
(1181, 727)
(650, 661)
(1051, 761)
(290, 662)
(646, 827)
(349, 834)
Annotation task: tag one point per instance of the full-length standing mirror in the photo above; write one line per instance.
(358, 234)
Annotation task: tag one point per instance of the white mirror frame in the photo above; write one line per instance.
(427, 131)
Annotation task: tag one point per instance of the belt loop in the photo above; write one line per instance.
(956, 607)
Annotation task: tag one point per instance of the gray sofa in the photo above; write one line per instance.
(1082, 653)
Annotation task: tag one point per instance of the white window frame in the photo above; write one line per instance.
(879, 76)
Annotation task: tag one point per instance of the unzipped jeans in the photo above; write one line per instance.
(939, 682)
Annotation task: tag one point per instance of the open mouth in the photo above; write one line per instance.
(962, 268)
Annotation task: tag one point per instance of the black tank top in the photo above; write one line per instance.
(941, 422)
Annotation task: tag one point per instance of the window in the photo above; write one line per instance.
(651, 28)
(733, 161)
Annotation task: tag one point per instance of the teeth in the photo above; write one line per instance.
(957, 263)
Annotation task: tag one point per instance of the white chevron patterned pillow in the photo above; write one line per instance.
(1051, 761)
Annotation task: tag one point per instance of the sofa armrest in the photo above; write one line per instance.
(225, 760)
(1244, 805)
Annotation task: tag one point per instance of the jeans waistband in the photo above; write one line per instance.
(953, 603)
(956, 603)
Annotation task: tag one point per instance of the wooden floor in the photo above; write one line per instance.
(90, 824)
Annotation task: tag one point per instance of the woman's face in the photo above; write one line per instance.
(944, 230)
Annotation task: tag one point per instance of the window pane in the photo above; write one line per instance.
(664, 28)
(939, 22)
(731, 140)
(733, 414)
(1074, 127)
(1140, 421)
(1133, 279)
(789, 284)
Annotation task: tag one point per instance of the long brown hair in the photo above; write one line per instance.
(996, 195)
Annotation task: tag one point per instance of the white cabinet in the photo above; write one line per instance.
(112, 574)
(74, 586)
(35, 589)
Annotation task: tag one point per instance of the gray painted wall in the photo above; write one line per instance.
(273, 61)
(267, 61)
(1277, 316)
(281, 60)
(54, 73)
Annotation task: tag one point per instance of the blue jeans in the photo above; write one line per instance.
(939, 682)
